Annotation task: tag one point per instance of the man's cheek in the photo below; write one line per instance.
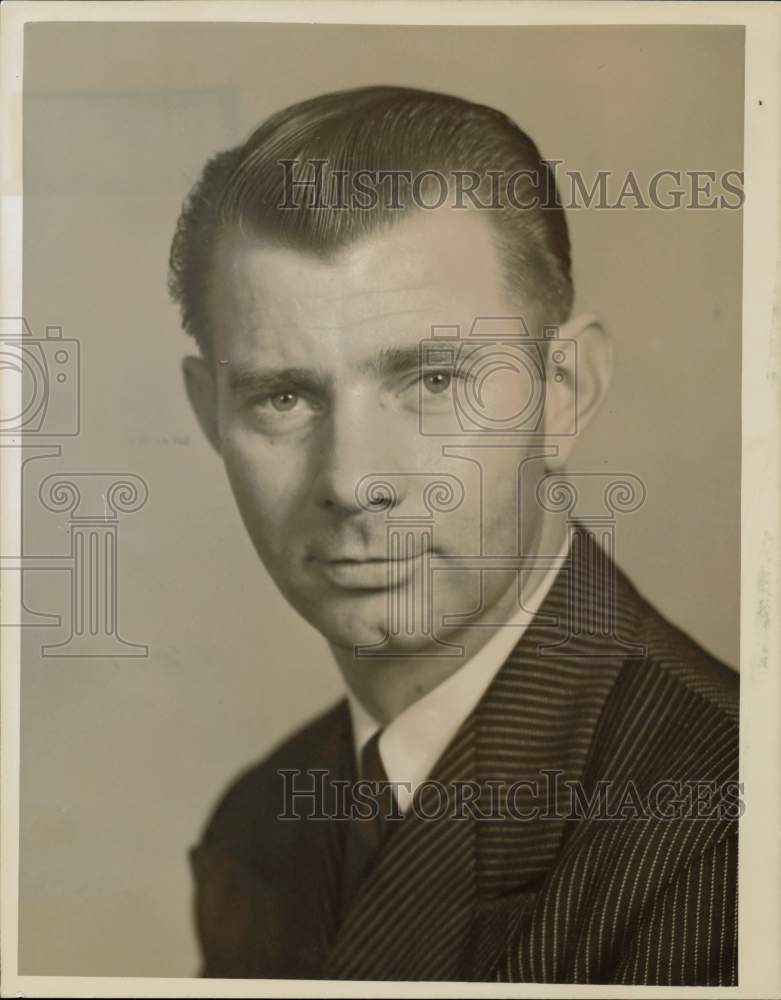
(254, 487)
(263, 500)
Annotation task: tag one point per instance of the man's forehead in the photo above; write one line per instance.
(330, 344)
(423, 259)
(276, 306)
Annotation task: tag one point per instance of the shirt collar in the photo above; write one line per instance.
(411, 744)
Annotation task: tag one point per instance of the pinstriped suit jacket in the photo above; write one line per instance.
(628, 898)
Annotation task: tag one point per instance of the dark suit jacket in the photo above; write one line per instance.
(636, 898)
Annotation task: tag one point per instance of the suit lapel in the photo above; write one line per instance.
(536, 726)
(411, 913)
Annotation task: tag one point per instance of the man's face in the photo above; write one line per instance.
(318, 385)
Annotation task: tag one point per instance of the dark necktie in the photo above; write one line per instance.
(365, 836)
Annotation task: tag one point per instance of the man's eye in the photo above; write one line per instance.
(282, 409)
(437, 382)
(284, 401)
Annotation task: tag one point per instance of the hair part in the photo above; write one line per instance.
(371, 130)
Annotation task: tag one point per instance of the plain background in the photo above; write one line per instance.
(122, 759)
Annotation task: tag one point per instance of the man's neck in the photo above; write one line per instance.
(390, 684)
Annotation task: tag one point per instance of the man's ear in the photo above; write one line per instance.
(577, 380)
(201, 386)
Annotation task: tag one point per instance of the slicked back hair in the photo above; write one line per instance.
(368, 130)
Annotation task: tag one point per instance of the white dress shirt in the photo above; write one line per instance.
(412, 743)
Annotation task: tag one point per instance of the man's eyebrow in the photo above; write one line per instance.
(388, 362)
(249, 380)
(392, 361)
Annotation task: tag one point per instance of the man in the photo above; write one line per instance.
(390, 370)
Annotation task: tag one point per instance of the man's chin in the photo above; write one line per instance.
(364, 625)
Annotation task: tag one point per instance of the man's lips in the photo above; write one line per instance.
(364, 559)
(368, 572)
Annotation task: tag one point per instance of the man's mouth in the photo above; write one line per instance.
(370, 572)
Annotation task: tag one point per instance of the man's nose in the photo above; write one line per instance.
(358, 441)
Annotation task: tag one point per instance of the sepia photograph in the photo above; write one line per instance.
(390, 477)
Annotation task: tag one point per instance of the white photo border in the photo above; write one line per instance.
(760, 699)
